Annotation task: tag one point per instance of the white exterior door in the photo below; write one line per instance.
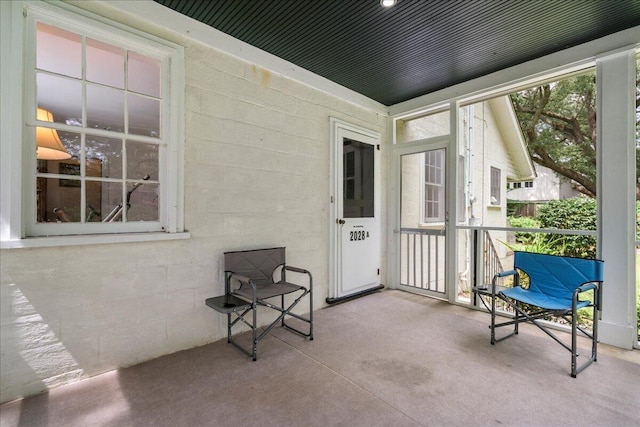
(423, 221)
(356, 224)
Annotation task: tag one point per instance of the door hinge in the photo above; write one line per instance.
(378, 272)
(378, 147)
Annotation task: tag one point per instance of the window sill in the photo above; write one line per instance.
(93, 239)
(494, 206)
(432, 225)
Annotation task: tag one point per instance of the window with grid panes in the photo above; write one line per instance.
(101, 130)
(495, 186)
(434, 186)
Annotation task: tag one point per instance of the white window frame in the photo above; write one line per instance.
(495, 185)
(441, 193)
(18, 226)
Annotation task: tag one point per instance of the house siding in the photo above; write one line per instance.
(256, 175)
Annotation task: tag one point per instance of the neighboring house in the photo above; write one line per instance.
(547, 185)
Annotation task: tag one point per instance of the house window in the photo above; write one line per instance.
(495, 186)
(434, 186)
(516, 185)
(103, 146)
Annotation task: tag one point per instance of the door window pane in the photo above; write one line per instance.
(358, 179)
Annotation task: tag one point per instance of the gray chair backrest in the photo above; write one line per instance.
(258, 265)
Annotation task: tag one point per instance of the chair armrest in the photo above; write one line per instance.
(504, 274)
(587, 287)
(242, 279)
(297, 270)
(301, 271)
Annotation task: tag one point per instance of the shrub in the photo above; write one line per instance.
(578, 213)
(524, 222)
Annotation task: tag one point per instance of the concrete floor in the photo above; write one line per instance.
(387, 359)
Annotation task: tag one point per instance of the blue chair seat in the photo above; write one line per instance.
(541, 300)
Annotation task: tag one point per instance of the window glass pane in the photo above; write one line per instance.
(416, 128)
(110, 205)
(105, 108)
(71, 142)
(94, 200)
(434, 186)
(53, 146)
(105, 64)
(108, 151)
(61, 97)
(144, 74)
(58, 51)
(144, 202)
(58, 200)
(69, 167)
(142, 160)
(495, 186)
(144, 116)
(358, 190)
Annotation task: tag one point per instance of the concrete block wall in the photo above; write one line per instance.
(256, 175)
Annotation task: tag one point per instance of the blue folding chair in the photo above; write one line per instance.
(556, 285)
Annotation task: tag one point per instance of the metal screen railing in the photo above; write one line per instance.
(422, 259)
(492, 263)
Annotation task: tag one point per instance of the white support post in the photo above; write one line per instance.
(615, 76)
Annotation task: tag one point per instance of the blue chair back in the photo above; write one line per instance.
(558, 276)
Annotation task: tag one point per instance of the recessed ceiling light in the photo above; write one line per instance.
(388, 3)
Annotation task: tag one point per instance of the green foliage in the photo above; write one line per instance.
(524, 222)
(578, 213)
(558, 121)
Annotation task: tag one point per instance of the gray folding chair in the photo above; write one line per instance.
(250, 282)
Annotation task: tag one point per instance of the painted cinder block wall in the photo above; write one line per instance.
(256, 175)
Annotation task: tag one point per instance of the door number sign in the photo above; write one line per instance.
(358, 235)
